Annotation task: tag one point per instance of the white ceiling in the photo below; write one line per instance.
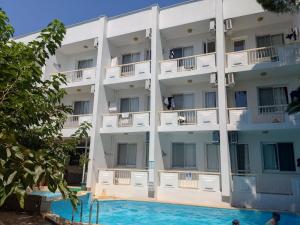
(128, 39)
(78, 47)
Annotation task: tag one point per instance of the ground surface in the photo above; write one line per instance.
(12, 218)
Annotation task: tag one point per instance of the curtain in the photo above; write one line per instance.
(212, 157)
(233, 161)
(210, 100)
(280, 96)
(286, 157)
(177, 155)
(178, 99)
(240, 98)
(82, 107)
(188, 51)
(239, 45)
(136, 57)
(190, 155)
(131, 154)
(184, 101)
(270, 157)
(277, 39)
(263, 41)
(126, 59)
(122, 152)
(265, 96)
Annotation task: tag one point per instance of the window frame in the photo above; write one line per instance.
(126, 165)
(206, 158)
(235, 168)
(184, 167)
(273, 87)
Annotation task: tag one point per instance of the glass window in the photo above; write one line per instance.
(210, 99)
(83, 64)
(209, 47)
(240, 98)
(239, 155)
(239, 45)
(129, 104)
(183, 155)
(269, 40)
(82, 107)
(127, 154)
(184, 101)
(212, 158)
(131, 58)
(273, 96)
(176, 53)
(278, 156)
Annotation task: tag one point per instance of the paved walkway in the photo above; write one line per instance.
(13, 218)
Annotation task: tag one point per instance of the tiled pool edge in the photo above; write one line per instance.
(54, 219)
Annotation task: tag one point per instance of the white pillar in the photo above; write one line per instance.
(222, 97)
(97, 154)
(155, 156)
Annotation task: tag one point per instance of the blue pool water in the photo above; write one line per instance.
(46, 194)
(119, 212)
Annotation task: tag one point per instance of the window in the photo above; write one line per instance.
(278, 157)
(209, 47)
(129, 104)
(146, 154)
(127, 154)
(147, 55)
(131, 58)
(269, 40)
(210, 99)
(176, 53)
(81, 148)
(183, 155)
(83, 64)
(240, 98)
(239, 45)
(273, 96)
(239, 154)
(212, 158)
(184, 101)
(82, 107)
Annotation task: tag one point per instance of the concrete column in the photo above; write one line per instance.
(155, 156)
(222, 97)
(97, 154)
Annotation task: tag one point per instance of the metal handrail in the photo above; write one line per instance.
(91, 212)
(81, 212)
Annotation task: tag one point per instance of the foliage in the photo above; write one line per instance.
(280, 6)
(32, 149)
(294, 106)
(84, 159)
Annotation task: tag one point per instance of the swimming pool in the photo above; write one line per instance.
(120, 212)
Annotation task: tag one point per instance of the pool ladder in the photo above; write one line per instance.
(90, 213)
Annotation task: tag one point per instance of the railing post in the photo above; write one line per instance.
(97, 216)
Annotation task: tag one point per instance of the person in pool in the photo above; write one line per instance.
(274, 220)
(235, 222)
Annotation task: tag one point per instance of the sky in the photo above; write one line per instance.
(28, 16)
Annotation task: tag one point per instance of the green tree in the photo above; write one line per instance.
(280, 6)
(32, 149)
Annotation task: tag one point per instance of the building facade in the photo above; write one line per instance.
(187, 103)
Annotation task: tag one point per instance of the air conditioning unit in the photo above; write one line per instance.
(228, 24)
(148, 33)
(213, 79)
(216, 136)
(148, 84)
(212, 25)
(230, 80)
(96, 43)
(233, 137)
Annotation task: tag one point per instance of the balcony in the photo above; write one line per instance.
(125, 183)
(187, 66)
(260, 58)
(80, 77)
(128, 72)
(125, 122)
(190, 186)
(261, 117)
(189, 120)
(74, 121)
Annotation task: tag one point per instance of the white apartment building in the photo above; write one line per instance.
(187, 103)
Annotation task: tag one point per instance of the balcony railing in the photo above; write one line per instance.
(119, 176)
(189, 117)
(258, 115)
(128, 70)
(206, 181)
(130, 119)
(75, 120)
(284, 54)
(196, 62)
(74, 76)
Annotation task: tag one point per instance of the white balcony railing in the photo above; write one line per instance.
(204, 181)
(74, 76)
(75, 120)
(118, 176)
(189, 117)
(197, 62)
(258, 115)
(285, 54)
(130, 119)
(128, 70)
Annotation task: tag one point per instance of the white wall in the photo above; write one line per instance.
(236, 8)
